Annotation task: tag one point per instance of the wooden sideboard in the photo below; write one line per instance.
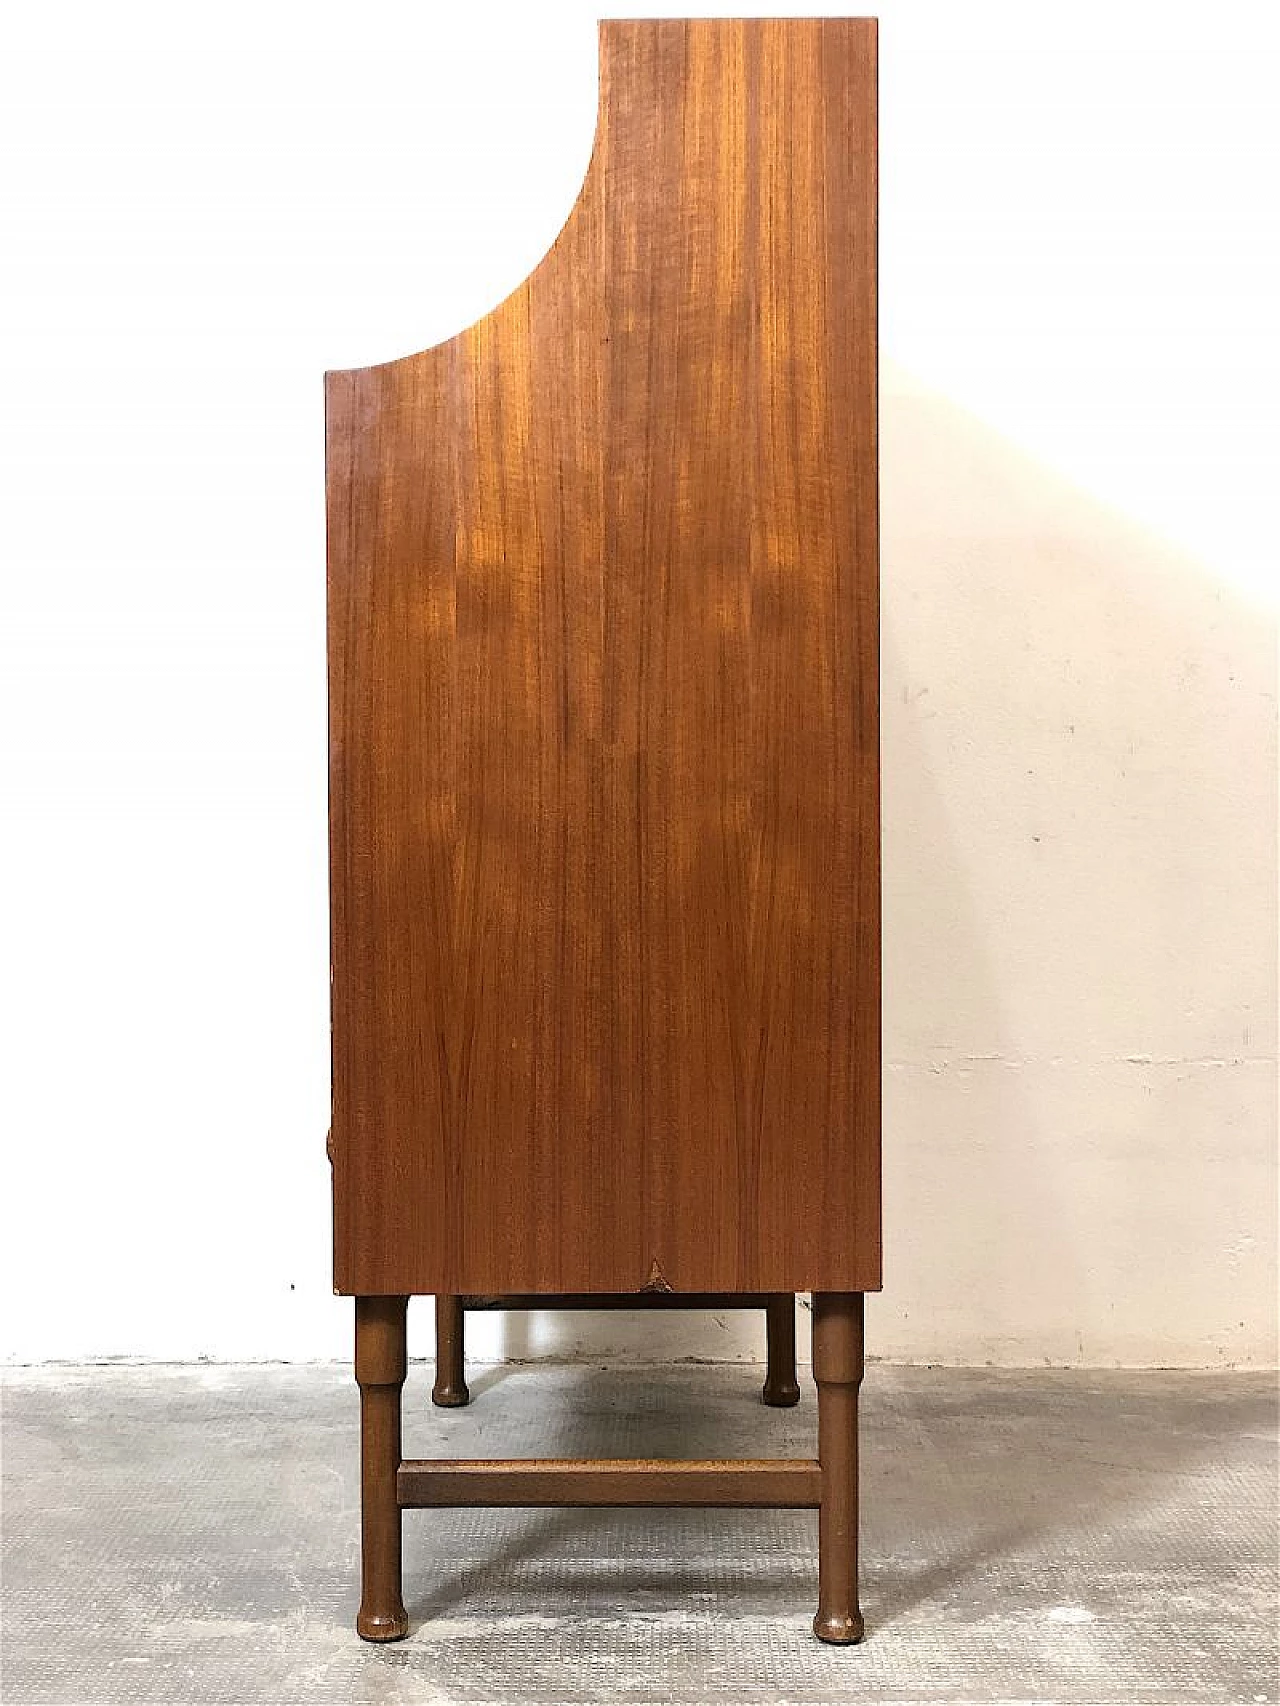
(603, 656)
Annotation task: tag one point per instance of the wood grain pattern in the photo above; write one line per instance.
(604, 733)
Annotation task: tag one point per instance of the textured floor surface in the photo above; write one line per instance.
(190, 1535)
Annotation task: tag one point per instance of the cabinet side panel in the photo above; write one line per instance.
(742, 543)
(603, 717)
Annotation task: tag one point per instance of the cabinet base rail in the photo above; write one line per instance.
(763, 1483)
(626, 1300)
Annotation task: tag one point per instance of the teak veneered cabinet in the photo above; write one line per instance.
(603, 655)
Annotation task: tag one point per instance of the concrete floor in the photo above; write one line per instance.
(190, 1535)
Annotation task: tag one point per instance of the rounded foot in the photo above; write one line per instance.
(450, 1397)
(842, 1629)
(781, 1394)
(384, 1626)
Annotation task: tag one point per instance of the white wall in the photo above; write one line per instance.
(1079, 280)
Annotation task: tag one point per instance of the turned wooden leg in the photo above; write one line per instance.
(781, 1387)
(381, 1360)
(837, 1369)
(450, 1388)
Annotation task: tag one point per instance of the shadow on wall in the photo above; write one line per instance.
(1080, 981)
(1080, 978)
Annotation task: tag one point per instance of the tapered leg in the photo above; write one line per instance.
(450, 1388)
(381, 1360)
(837, 1369)
(781, 1387)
